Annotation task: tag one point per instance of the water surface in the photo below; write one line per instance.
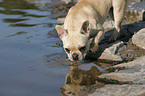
(30, 62)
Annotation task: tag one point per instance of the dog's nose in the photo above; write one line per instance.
(75, 57)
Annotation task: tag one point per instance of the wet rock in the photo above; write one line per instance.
(120, 90)
(139, 38)
(53, 33)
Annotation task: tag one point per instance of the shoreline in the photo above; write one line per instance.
(124, 59)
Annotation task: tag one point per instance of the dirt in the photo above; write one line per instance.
(132, 52)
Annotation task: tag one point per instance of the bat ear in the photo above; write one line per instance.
(85, 27)
(60, 30)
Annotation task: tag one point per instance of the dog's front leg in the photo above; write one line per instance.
(98, 38)
(119, 7)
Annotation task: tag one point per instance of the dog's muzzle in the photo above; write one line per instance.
(75, 57)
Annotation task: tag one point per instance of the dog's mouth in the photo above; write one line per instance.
(77, 57)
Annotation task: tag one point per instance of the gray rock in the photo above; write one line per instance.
(127, 72)
(109, 23)
(120, 90)
(131, 74)
(111, 52)
(66, 1)
(139, 38)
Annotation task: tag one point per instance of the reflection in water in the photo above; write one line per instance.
(18, 33)
(40, 3)
(22, 47)
(14, 20)
(20, 8)
(17, 4)
(80, 82)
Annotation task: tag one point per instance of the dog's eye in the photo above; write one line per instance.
(67, 50)
(82, 49)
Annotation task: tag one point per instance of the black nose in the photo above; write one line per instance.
(75, 57)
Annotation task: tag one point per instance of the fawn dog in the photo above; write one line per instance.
(83, 24)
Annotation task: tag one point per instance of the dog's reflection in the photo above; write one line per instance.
(79, 82)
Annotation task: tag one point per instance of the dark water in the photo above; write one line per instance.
(30, 62)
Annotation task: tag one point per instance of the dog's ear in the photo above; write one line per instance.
(85, 27)
(60, 30)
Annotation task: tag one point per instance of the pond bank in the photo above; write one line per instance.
(124, 54)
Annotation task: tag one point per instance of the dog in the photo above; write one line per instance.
(83, 29)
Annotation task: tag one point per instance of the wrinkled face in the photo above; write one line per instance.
(76, 46)
(75, 42)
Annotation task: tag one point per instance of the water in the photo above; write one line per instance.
(30, 62)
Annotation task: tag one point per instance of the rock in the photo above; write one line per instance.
(120, 90)
(53, 33)
(69, 1)
(60, 20)
(66, 1)
(139, 38)
(55, 3)
(135, 11)
(111, 52)
(108, 24)
(130, 75)
(132, 72)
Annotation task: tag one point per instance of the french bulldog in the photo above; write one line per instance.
(83, 29)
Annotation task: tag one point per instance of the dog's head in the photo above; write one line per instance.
(76, 44)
